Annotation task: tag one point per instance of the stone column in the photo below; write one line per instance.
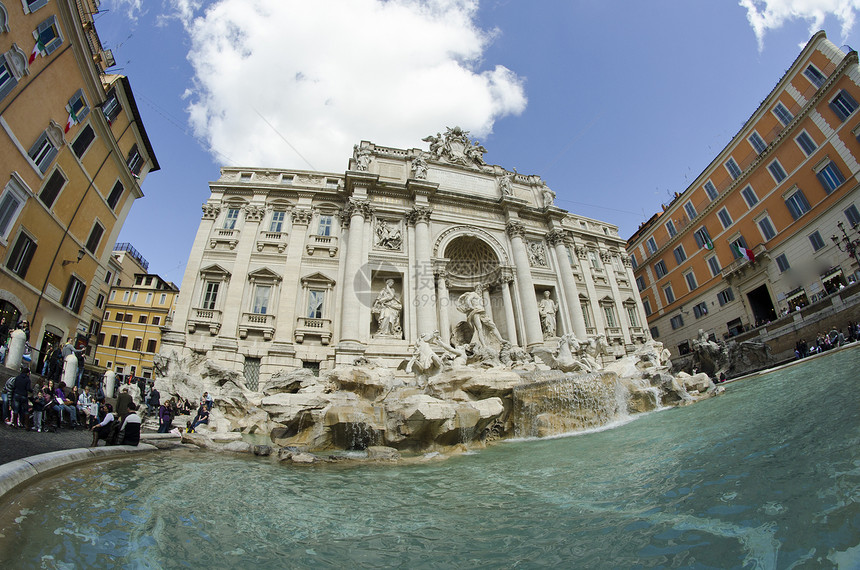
(606, 257)
(235, 302)
(351, 324)
(190, 295)
(424, 290)
(290, 304)
(510, 321)
(556, 240)
(588, 278)
(534, 333)
(640, 309)
(442, 301)
(488, 305)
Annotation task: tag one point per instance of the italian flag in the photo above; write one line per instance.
(73, 120)
(38, 49)
(744, 252)
(709, 244)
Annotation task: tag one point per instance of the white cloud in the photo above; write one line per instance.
(132, 8)
(329, 73)
(764, 15)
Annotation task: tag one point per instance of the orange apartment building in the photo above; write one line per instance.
(74, 153)
(139, 306)
(750, 239)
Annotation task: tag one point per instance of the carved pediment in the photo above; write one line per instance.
(215, 271)
(318, 279)
(264, 275)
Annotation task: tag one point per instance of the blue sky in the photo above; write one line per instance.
(617, 105)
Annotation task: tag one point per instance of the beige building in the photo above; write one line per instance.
(139, 307)
(749, 241)
(74, 153)
(294, 268)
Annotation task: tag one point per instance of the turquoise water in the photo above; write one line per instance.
(765, 476)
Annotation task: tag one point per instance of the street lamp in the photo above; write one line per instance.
(846, 243)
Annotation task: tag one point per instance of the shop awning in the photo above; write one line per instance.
(831, 273)
(799, 292)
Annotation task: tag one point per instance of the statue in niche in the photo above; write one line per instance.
(548, 196)
(419, 168)
(387, 308)
(537, 254)
(506, 186)
(388, 237)
(547, 309)
(362, 158)
(471, 304)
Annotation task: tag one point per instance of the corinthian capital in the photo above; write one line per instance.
(515, 229)
(254, 213)
(555, 237)
(302, 216)
(419, 214)
(210, 211)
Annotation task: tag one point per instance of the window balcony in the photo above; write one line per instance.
(614, 332)
(328, 243)
(273, 240)
(308, 326)
(257, 322)
(205, 318)
(740, 265)
(222, 235)
(637, 332)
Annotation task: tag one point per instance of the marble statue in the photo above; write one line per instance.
(548, 196)
(437, 144)
(506, 184)
(387, 308)
(471, 304)
(419, 168)
(455, 356)
(388, 237)
(593, 350)
(513, 356)
(362, 158)
(423, 356)
(476, 152)
(547, 309)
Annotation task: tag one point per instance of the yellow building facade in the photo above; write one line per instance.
(139, 306)
(749, 241)
(74, 154)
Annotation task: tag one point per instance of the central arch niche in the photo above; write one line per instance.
(471, 260)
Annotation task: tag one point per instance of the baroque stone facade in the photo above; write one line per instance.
(297, 269)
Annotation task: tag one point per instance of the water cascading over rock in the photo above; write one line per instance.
(567, 402)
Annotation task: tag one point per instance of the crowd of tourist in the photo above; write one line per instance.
(46, 405)
(826, 341)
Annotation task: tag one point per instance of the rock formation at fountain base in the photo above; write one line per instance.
(370, 405)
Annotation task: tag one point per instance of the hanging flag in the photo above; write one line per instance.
(73, 120)
(744, 252)
(709, 244)
(38, 49)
